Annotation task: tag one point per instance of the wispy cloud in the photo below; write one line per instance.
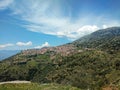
(6, 45)
(19, 44)
(5, 3)
(24, 43)
(46, 44)
(48, 17)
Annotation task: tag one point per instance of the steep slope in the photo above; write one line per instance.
(105, 39)
(91, 62)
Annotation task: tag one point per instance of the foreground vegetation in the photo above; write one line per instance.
(35, 86)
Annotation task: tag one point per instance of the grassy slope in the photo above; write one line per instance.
(35, 86)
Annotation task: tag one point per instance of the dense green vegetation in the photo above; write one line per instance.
(90, 69)
(94, 65)
(35, 86)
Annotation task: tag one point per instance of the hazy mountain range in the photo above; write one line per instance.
(7, 53)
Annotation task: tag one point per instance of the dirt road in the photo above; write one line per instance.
(15, 82)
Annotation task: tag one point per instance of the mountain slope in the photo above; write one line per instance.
(90, 69)
(92, 62)
(105, 39)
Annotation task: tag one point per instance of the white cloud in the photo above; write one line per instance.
(46, 44)
(6, 45)
(87, 29)
(83, 30)
(5, 3)
(24, 43)
(105, 26)
(47, 16)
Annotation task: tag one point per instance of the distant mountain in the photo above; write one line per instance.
(105, 39)
(7, 53)
(90, 63)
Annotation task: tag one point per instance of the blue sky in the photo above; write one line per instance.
(26, 24)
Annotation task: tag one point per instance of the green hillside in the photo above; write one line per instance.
(90, 69)
(92, 62)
